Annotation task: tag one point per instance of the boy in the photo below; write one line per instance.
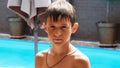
(59, 25)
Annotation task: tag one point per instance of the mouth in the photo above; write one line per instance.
(57, 40)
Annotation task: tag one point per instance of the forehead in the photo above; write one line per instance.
(60, 20)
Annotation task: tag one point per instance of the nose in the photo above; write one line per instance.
(57, 32)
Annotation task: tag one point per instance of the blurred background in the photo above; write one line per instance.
(88, 12)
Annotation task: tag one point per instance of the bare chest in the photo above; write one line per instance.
(66, 63)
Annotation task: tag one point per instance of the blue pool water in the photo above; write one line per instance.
(20, 54)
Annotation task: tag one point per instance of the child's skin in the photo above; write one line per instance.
(62, 53)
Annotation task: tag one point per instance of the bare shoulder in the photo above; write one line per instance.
(41, 54)
(39, 59)
(81, 60)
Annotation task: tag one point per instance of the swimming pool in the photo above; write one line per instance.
(20, 54)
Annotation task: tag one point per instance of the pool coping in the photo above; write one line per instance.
(74, 42)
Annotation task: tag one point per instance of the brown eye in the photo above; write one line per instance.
(63, 27)
(52, 27)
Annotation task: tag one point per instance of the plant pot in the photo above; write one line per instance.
(107, 33)
(16, 25)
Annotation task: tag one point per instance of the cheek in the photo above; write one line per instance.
(50, 32)
(67, 33)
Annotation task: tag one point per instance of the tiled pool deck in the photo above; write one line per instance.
(75, 42)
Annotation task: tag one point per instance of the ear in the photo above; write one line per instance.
(44, 26)
(75, 27)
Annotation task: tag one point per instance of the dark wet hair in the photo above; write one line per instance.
(61, 8)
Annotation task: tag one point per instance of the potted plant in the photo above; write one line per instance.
(16, 25)
(106, 29)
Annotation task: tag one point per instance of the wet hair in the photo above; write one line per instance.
(61, 8)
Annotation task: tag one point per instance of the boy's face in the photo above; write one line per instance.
(59, 32)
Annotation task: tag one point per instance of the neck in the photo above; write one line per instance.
(58, 50)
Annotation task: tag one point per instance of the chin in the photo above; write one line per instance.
(58, 43)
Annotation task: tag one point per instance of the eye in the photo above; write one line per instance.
(63, 27)
(52, 27)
